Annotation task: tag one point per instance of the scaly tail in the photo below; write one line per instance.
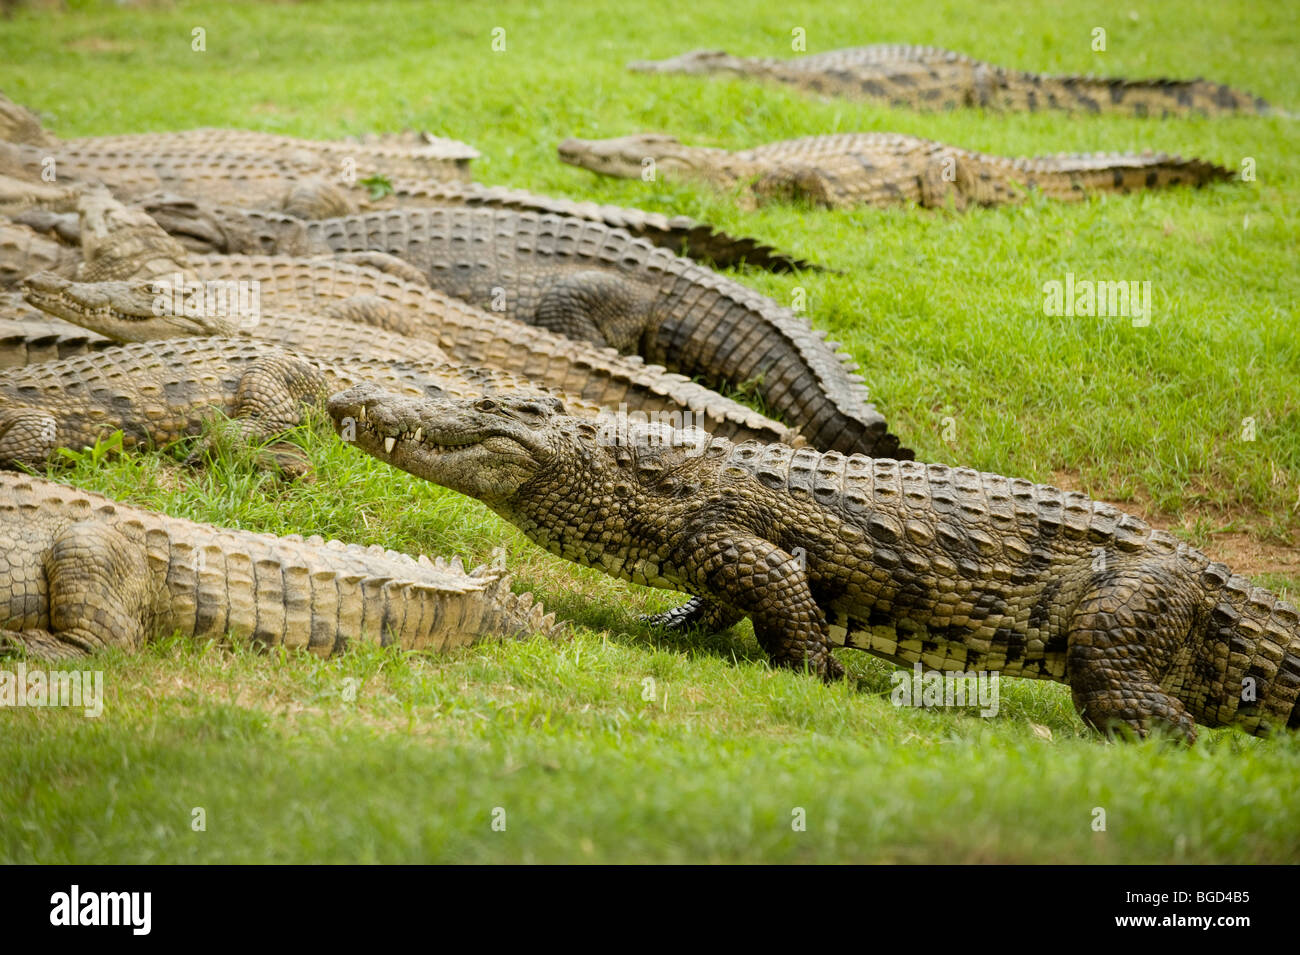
(1251, 644)
(1099, 94)
(1078, 175)
(727, 332)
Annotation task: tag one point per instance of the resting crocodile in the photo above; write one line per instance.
(596, 284)
(879, 169)
(927, 78)
(230, 229)
(408, 156)
(273, 182)
(80, 573)
(127, 239)
(240, 175)
(916, 563)
(313, 305)
(157, 392)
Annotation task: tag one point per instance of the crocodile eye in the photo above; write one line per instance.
(486, 404)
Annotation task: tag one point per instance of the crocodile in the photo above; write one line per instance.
(410, 156)
(274, 182)
(929, 78)
(80, 573)
(215, 228)
(329, 292)
(880, 169)
(600, 285)
(290, 183)
(158, 392)
(943, 566)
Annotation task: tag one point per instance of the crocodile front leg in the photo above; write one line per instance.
(269, 401)
(755, 577)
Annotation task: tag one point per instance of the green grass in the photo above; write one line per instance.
(944, 313)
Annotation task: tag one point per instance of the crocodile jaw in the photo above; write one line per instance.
(438, 440)
(122, 311)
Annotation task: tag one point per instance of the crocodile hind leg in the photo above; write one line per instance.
(99, 591)
(1124, 633)
(27, 436)
(596, 307)
(384, 262)
(763, 581)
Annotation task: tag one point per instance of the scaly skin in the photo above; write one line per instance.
(80, 573)
(599, 285)
(928, 78)
(24, 251)
(944, 566)
(406, 157)
(880, 169)
(211, 227)
(330, 291)
(158, 392)
(29, 342)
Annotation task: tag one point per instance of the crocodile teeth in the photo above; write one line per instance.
(388, 445)
(362, 413)
(419, 434)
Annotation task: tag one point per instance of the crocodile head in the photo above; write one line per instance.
(628, 156)
(132, 311)
(520, 454)
(697, 61)
(486, 447)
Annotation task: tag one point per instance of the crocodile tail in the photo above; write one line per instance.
(713, 327)
(512, 614)
(679, 234)
(1098, 94)
(1074, 176)
(36, 340)
(1252, 640)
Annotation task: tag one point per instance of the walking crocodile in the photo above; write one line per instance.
(928, 78)
(326, 292)
(158, 392)
(879, 169)
(80, 573)
(600, 285)
(916, 563)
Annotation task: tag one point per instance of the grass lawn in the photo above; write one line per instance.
(628, 745)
